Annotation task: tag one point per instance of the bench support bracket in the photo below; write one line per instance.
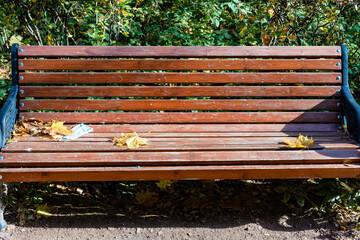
(350, 108)
(9, 111)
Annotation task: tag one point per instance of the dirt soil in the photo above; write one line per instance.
(83, 217)
(252, 225)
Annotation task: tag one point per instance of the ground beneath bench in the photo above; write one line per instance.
(174, 210)
(254, 224)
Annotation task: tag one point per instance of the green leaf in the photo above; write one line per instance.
(287, 197)
(280, 189)
(300, 200)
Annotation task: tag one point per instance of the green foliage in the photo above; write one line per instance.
(322, 194)
(183, 22)
(188, 199)
(26, 199)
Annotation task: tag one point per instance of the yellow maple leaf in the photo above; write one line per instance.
(12, 140)
(43, 210)
(132, 140)
(56, 129)
(163, 184)
(35, 127)
(301, 142)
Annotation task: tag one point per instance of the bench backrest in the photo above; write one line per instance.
(180, 84)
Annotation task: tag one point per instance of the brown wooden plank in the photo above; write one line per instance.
(209, 64)
(181, 172)
(150, 135)
(178, 158)
(196, 140)
(164, 146)
(135, 105)
(183, 91)
(220, 134)
(171, 77)
(183, 51)
(186, 117)
(214, 128)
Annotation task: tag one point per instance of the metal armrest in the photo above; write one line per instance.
(9, 111)
(350, 108)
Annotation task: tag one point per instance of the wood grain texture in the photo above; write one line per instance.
(178, 158)
(214, 128)
(150, 135)
(208, 64)
(183, 51)
(28, 147)
(180, 105)
(181, 172)
(221, 134)
(175, 77)
(187, 117)
(204, 145)
(183, 91)
(196, 140)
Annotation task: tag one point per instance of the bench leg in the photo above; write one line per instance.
(3, 191)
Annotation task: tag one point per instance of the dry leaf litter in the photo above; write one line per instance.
(301, 142)
(35, 127)
(131, 140)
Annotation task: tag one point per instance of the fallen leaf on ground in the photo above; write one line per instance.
(43, 210)
(301, 142)
(34, 127)
(131, 140)
(163, 184)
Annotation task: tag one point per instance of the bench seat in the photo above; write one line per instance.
(208, 113)
(188, 151)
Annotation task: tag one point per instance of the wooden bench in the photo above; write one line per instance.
(208, 113)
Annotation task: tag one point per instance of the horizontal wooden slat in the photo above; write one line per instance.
(209, 64)
(164, 146)
(183, 51)
(220, 134)
(186, 117)
(195, 140)
(214, 128)
(186, 91)
(178, 158)
(134, 105)
(113, 77)
(180, 173)
(150, 135)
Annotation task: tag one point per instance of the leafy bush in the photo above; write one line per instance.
(178, 22)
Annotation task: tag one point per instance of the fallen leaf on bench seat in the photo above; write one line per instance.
(56, 129)
(301, 142)
(34, 127)
(132, 140)
(30, 126)
(12, 140)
